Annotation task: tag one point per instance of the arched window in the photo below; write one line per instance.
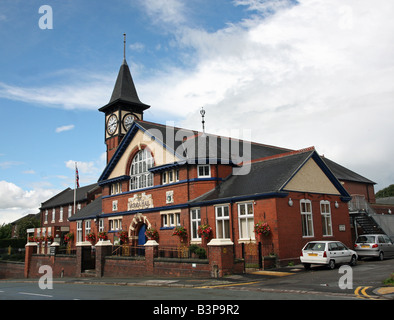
(139, 170)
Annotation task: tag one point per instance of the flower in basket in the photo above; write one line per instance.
(103, 235)
(31, 239)
(123, 236)
(152, 234)
(180, 232)
(69, 237)
(91, 237)
(49, 238)
(262, 228)
(204, 230)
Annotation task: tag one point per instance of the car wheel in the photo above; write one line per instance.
(381, 256)
(353, 261)
(307, 266)
(331, 264)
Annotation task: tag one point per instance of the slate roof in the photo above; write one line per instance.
(346, 174)
(125, 91)
(91, 211)
(267, 177)
(67, 196)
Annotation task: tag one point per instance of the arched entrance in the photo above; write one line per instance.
(137, 229)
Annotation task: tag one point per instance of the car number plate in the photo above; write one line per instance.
(364, 246)
(313, 254)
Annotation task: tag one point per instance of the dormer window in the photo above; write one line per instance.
(204, 171)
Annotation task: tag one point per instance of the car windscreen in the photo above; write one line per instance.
(315, 246)
(366, 239)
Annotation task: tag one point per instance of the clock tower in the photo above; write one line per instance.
(123, 107)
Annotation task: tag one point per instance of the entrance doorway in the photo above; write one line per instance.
(141, 240)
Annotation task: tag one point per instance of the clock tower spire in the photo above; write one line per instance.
(123, 107)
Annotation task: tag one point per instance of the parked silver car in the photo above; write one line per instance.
(374, 245)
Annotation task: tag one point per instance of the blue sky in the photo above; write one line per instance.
(296, 73)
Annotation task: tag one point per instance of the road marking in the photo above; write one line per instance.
(36, 294)
(228, 285)
(364, 294)
(273, 273)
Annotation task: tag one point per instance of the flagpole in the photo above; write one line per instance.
(75, 186)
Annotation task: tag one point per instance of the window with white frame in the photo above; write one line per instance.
(116, 188)
(61, 214)
(115, 224)
(101, 227)
(79, 231)
(325, 210)
(246, 220)
(204, 171)
(88, 227)
(171, 219)
(195, 222)
(140, 175)
(222, 222)
(46, 216)
(170, 176)
(53, 215)
(306, 218)
(70, 210)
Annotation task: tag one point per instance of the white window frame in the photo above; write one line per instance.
(221, 219)
(61, 214)
(195, 222)
(248, 219)
(88, 227)
(115, 224)
(70, 210)
(204, 175)
(46, 216)
(170, 219)
(140, 176)
(307, 219)
(101, 227)
(53, 215)
(326, 219)
(79, 231)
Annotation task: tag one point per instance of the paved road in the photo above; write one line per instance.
(284, 284)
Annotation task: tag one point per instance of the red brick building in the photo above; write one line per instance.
(162, 177)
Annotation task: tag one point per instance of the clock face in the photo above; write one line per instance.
(128, 121)
(112, 124)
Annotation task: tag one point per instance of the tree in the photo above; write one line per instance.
(386, 192)
(27, 223)
(5, 231)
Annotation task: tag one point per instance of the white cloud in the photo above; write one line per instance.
(318, 73)
(137, 46)
(170, 12)
(65, 128)
(89, 171)
(16, 202)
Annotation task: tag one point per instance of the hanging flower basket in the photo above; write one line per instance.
(180, 232)
(204, 231)
(152, 234)
(262, 228)
(123, 237)
(103, 236)
(49, 239)
(91, 237)
(69, 237)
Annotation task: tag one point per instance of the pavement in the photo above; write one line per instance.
(252, 276)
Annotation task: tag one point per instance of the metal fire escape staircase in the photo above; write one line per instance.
(362, 213)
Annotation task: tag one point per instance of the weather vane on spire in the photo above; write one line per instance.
(202, 112)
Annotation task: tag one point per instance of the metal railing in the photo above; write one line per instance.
(128, 251)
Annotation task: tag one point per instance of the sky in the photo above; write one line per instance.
(293, 73)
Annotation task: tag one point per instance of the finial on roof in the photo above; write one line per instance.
(124, 47)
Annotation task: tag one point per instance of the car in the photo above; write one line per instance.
(330, 253)
(374, 245)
